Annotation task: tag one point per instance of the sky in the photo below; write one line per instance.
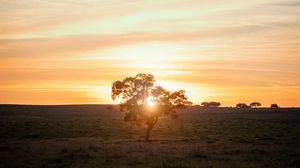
(71, 51)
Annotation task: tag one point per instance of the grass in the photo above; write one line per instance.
(93, 136)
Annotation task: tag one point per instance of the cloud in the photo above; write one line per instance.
(78, 44)
(54, 46)
(286, 4)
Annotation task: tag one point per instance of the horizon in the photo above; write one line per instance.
(194, 105)
(70, 52)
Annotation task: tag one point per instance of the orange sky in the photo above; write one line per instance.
(70, 51)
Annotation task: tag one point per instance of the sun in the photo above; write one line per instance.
(150, 101)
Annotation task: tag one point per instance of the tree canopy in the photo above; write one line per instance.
(211, 104)
(255, 104)
(144, 103)
(274, 105)
(242, 105)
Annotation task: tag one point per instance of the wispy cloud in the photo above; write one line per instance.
(225, 48)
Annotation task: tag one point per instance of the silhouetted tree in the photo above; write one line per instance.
(255, 104)
(274, 106)
(204, 104)
(134, 94)
(242, 105)
(211, 104)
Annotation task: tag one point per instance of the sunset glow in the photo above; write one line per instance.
(150, 101)
(70, 52)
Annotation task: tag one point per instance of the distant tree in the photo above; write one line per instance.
(144, 103)
(205, 104)
(211, 104)
(274, 106)
(242, 105)
(255, 104)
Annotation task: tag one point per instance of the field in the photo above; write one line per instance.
(93, 136)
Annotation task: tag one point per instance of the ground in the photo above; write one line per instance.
(97, 136)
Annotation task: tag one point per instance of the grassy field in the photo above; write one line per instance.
(93, 136)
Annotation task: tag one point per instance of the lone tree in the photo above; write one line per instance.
(255, 104)
(144, 103)
(242, 105)
(274, 106)
(211, 104)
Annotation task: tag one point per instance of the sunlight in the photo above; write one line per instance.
(150, 101)
(196, 92)
(145, 53)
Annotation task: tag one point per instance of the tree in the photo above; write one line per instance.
(204, 104)
(242, 105)
(255, 104)
(144, 103)
(211, 104)
(274, 106)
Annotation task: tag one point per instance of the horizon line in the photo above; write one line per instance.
(102, 104)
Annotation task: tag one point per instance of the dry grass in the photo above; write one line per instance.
(93, 136)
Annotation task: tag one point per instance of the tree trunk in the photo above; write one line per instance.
(151, 124)
(147, 135)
